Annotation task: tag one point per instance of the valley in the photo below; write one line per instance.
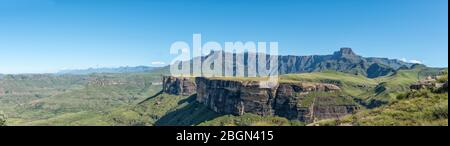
(352, 95)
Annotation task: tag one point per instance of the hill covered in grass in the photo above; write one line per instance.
(367, 91)
(28, 98)
(427, 106)
(251, 120)
(415, 108)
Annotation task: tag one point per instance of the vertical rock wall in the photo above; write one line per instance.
(178, 86)
(239, 97)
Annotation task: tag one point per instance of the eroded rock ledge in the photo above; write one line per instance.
(290, 100)
(178, 86)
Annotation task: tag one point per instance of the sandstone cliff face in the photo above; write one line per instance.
(178, 86)
(319, 110)
(239, 97)
(290, 100)
(234, 97)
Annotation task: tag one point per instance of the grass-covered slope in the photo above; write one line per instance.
(161, 109)
(250, 120)
(28, 98)
(369, 92)
(355, 85)
(418, 108)
(427, 106)
(390, 86)
(133, 99)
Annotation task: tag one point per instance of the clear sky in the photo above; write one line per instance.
(39, 36)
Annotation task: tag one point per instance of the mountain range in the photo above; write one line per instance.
(108, 70)
(344, 60)
(330, 89)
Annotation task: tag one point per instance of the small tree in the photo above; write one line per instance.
(443, 77)
(2, 119)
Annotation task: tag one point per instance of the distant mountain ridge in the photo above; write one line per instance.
(126, 69)
(344, 60)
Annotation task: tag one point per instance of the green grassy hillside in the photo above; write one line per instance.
(390, 86)
(369, 92)
(29, 98)
(418, 108)
(355, 85)
(134, 99)
(161, 109)
(250, 120)
(413, 108)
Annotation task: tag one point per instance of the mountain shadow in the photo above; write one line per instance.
(192, 114)
(151, 97)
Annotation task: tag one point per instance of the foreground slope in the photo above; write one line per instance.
(419, 108)
(426, 106)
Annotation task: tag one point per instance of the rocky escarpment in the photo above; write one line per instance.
(344, 60)
(178, 86)
(294, 101)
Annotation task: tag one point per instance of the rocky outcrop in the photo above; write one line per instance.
(289, 96)
(291, 100)
(178, 86)
(239, 97)
(427, 83)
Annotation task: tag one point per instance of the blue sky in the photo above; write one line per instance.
(39, 36)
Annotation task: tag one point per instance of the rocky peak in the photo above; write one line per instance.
(345, 52)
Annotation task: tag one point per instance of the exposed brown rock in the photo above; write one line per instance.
(330, 111)
(239, 97)
(178, 86)
(429, 82)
